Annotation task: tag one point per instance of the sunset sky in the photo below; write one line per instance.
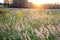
(44, 1)
(40, 1)
(1, 1)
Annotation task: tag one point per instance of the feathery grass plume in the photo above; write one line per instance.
(41, 26)
(39, 34)
(45, 31)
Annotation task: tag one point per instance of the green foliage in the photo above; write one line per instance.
(51, 37)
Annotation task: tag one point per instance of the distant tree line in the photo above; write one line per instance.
(17, 4)
(51, 6)
(45, 6)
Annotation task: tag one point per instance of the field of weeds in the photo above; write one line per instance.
(29, 25)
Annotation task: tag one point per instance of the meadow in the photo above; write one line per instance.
(29, 24)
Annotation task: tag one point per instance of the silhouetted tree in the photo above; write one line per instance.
(20, 3)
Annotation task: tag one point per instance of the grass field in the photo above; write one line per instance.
(29, 24)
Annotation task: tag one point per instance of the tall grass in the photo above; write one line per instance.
(32, 25)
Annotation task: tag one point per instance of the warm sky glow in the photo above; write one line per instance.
(1, 1)
(44, 1)
(40, 1)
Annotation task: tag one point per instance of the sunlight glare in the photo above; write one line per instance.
(1, 1)
(44, 1)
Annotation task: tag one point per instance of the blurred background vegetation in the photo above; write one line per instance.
(26, 4)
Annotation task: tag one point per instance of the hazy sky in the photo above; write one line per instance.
(45, 1)
(1, 1)
(40, 1)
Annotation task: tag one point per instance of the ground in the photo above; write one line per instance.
(29, 24)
